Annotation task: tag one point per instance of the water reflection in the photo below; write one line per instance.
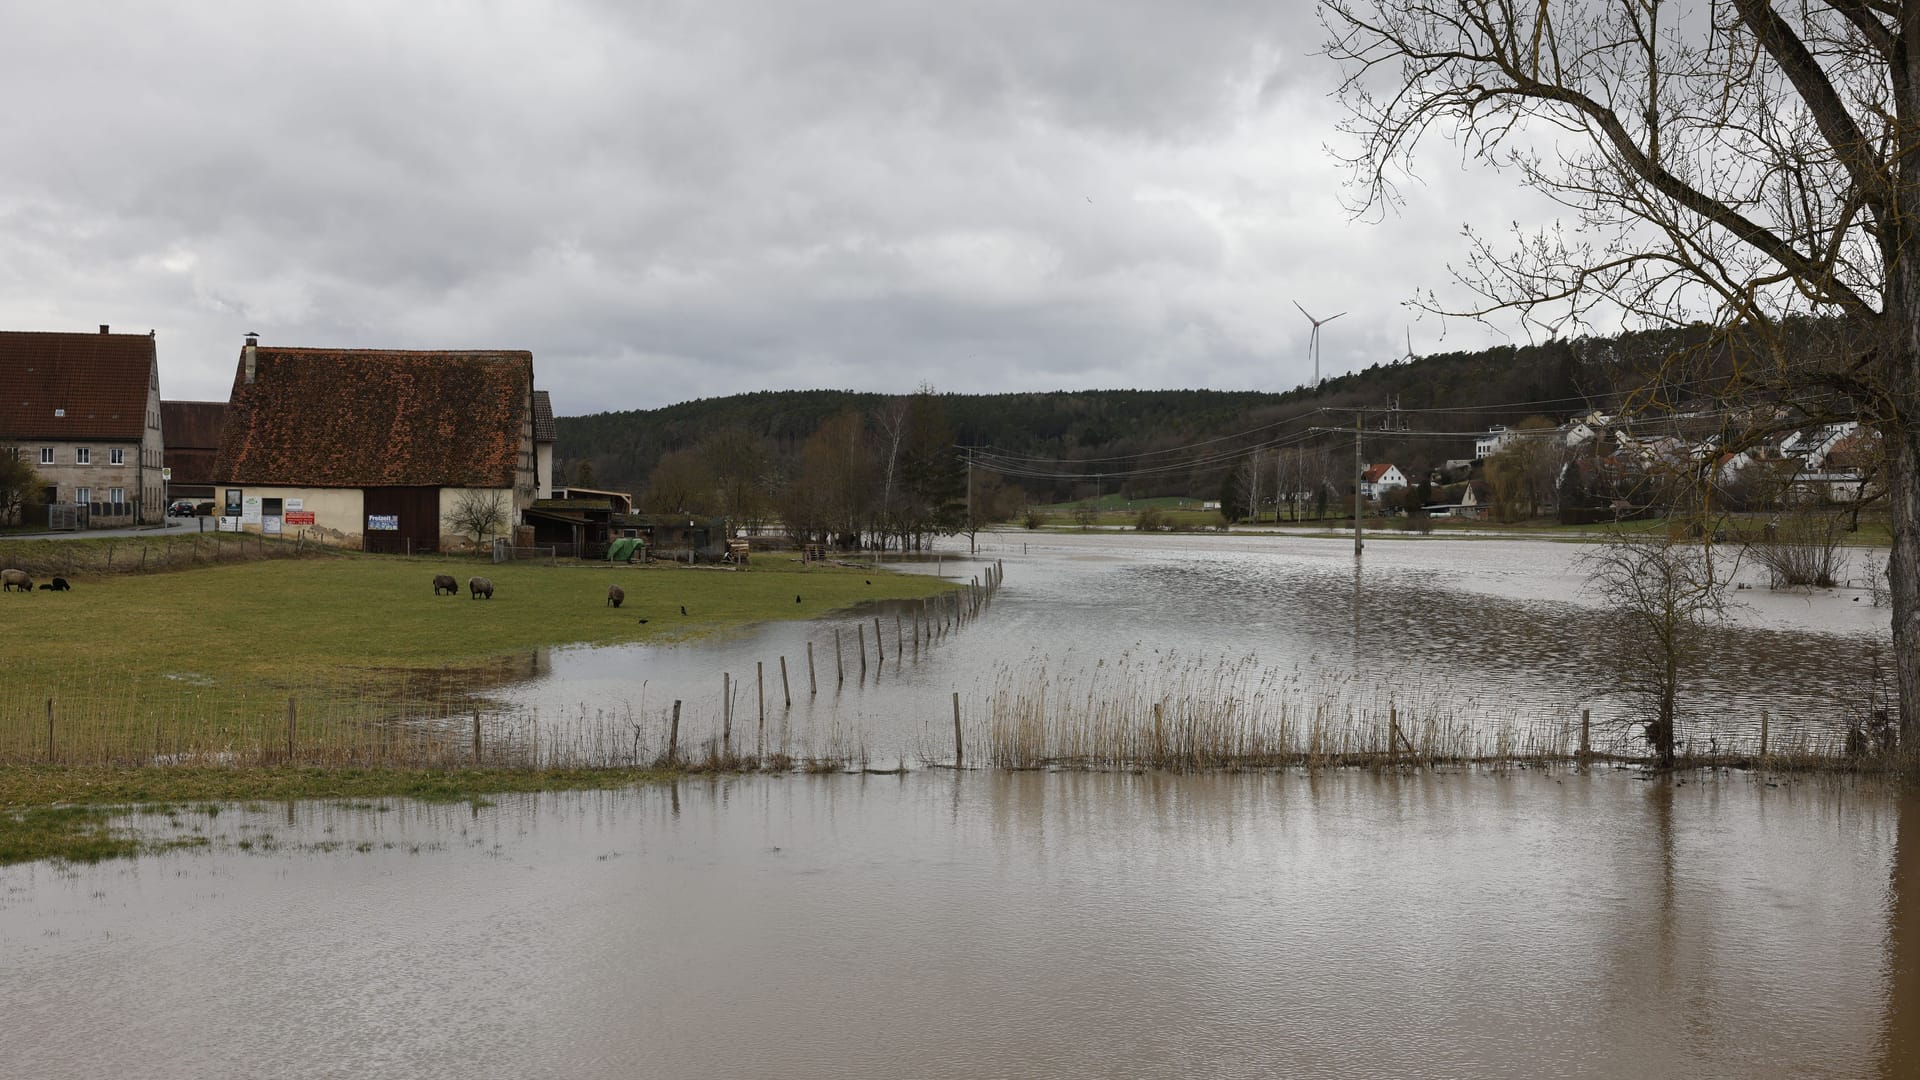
(1901, 1035)
(965, 924)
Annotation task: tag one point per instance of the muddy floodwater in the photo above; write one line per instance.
(984, 924)
(1493, 632)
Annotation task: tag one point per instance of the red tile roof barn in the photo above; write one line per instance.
(192, 431)
(98, 381)
(375, 418)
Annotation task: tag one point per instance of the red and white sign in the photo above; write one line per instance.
(299, 517)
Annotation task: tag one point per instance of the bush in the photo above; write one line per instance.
(1151, 520)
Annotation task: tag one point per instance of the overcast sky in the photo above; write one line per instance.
(674, 200)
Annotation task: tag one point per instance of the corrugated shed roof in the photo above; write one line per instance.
(193, 425)
(376, 417)
(543, 429)
(99, 382)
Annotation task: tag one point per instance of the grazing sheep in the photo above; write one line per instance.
(15, 581)
(615, 595)
(58, 584)
(445, 581)
(479, 587)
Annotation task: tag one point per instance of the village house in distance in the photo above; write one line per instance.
(84, 411)
(375, 448)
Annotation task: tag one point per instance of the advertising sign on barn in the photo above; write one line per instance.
(299, 517)
(383, 522)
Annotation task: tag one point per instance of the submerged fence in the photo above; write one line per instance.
(1126, 712)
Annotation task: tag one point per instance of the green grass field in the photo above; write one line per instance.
(165, 665)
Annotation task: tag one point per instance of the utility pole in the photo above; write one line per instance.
(1358, 470)
(972, 536)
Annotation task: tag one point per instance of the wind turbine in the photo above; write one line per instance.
(1313, 339)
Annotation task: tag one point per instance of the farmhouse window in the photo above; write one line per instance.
(117, 456)
(46, 455)
(82, 455)
(119, 495)
(82, 496)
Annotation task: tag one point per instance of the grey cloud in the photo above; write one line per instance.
(668, 200)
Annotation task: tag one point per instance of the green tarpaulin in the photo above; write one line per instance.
(623, 549)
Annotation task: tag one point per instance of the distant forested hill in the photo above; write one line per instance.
(1142, 433)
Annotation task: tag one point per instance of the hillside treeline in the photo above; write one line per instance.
(1063, 445)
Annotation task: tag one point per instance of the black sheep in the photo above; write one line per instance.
(58, 584)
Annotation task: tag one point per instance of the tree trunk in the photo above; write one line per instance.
(1903, 571)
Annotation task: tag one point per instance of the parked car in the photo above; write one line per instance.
(180, 508)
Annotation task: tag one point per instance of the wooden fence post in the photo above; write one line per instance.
(476, 737)
(1763, 735)
(760, 688)
(726, 714)
(860, 630)
(1586, 729)
(899, 643)
(879, 643)
(813, 685)
(1393, 736)
(839, 659)
(785, 690)
(673, 734)
(959, 751)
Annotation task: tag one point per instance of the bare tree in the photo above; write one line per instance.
(478, 514)
(1744, 164)
(1660, 593)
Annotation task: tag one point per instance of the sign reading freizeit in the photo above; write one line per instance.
(383, 522)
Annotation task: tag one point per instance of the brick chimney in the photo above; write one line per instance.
(246, 353)
(103, 328)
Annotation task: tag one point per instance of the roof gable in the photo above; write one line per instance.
(543, 427)
(70, 387)
(377, 417)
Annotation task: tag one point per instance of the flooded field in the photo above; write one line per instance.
(997, 924)
(1497, 634)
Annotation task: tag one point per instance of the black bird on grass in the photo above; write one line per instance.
(683, 609)
(643, 620)
(796, 599)
(869, 581)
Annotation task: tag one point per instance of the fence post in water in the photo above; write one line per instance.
(813, 684)
(959, 751)
(1586, 730)
(726, 714)
(292, 715)
(916, 637)
(760, 688)
(899, 643)
(839, 659)
(673, 733)
(861, 630)
(1763, 735)
(1393, 736)
(476, 736)
(49, 730)
(785, 690)
(879, 643)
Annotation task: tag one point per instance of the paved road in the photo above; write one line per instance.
(173, 525)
